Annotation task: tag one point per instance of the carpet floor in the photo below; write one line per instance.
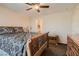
(55, 50)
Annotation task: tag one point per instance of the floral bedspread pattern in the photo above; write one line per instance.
(13, 41)
(13, 44)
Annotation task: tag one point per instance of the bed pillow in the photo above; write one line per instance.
(4, 30)
(18, 29)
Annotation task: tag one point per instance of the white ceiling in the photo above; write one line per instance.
(54, 7)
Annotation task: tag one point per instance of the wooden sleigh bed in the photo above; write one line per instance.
(38, 44)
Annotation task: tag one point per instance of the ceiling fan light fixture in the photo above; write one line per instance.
(36, 7)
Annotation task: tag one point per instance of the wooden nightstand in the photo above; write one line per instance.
(53, 39)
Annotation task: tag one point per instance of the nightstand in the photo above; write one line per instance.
(53, 39)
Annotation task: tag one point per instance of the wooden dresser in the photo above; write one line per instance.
(73, 45)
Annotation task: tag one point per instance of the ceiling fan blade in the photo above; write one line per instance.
(32, 3)
(44, 6)
(38, 10)
(28, 9)
(29, 3)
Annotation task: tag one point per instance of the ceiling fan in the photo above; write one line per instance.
(36, 6)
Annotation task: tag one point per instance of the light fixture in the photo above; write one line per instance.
(36, 7)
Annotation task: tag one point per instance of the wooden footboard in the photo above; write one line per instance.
(38, 44)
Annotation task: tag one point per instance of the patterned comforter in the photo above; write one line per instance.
(13, 44)
(13, 41)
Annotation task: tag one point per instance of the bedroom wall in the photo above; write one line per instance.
(75, 20)
(11, 18)
(59, 23)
